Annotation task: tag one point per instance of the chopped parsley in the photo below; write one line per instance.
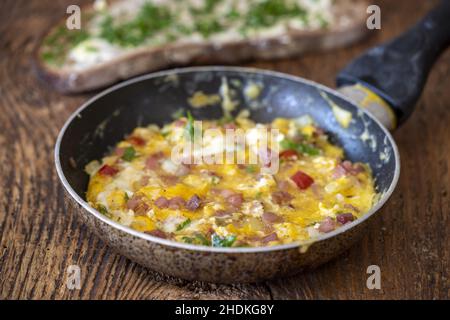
(215, 180)
(150, 19)
(207, 27)
(184, 224)
(58, 42)
(308, 149)
(304, 148)
(187, 239)
(197, 239)
(233, 14)
(218, 241)
(190, 125)
(207, 8)
(268, 12)
(102, 209)
(129, 154)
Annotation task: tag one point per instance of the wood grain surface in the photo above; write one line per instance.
(41, 237)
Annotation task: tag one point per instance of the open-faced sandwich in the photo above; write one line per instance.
(121, 39)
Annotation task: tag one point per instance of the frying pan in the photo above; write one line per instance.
(386, 81)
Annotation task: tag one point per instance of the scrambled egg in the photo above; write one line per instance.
(314, 190)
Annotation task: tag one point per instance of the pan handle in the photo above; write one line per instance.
(397, 70)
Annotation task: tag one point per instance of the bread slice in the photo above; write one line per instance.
(111, 45)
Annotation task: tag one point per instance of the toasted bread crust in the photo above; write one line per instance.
(143, 60)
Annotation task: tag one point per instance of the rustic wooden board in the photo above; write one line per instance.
(40, 236)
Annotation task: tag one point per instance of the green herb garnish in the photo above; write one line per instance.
(184, 224)
(197, 239)
(190, 125)
(308, 149)
(206, 27)
(201, 238)
(288, 144)
(102, 209)
(304, 148)
(187, 239)
(215, 180)
(218, 241)
(233, 14)
(207, 8)
(210, 4)
(268, 12)
(150, 19)
(183, 29)
(57, 44)
(156, 24)
(129, 154)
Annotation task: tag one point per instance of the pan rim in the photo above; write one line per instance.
(185, 246)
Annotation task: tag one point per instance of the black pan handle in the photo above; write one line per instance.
(397, 70)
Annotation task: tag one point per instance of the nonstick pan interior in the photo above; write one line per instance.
(111, 115)
(108, 117)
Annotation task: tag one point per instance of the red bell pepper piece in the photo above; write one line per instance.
(302, 180)
(288, 154)
(107, 170)
(137, 141)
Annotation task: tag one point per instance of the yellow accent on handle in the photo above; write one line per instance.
(372, 99)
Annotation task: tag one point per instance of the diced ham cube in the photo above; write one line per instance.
(271, 237)
(133, 202)
(270, 217)
(162, 202)
(302, 180)
(281, 197)
(344, 218)
(152, 162)
(221, 213)
(141, 208)
(169, 180)
(176, 203)
(107, 170)
(193, 203)
(119, 152)
(144, 181)
(283, 185)
(226, 193)
(235, 200)
(347, 167)
(327, 225)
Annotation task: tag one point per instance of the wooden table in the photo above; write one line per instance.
(41, 237)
